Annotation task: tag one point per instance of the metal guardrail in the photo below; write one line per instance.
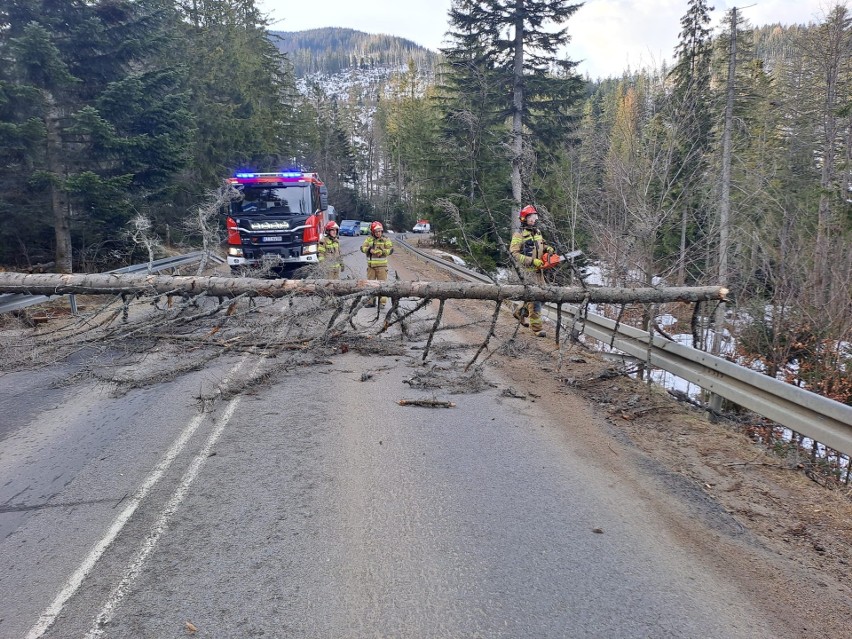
(168, 262)
(814, 416)
(16, 301)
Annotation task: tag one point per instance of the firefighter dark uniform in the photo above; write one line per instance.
(329, 248)
(377, 249)
(527, 249)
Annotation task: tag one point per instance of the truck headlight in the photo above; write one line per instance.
(233, 251)
(310, 248)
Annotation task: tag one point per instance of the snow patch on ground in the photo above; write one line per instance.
(450, 258)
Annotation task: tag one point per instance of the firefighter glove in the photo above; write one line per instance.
(537, 263)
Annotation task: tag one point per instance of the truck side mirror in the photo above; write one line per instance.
(323, 197)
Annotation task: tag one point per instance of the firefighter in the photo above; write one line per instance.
(329, 247)
(377, 248)
(532, 255)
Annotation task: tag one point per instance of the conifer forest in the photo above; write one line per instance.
(732, 166)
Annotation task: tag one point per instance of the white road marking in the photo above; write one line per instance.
(49, 615)
(160, 525)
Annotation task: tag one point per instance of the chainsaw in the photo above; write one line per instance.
(552, 260)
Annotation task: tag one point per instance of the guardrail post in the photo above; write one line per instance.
(715, 403)
(72, 299)
(718, 323)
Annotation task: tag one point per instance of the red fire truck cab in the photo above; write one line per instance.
(276, 222)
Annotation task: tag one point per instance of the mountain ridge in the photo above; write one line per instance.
(331, 50)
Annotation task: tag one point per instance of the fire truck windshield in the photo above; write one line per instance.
(276, 199)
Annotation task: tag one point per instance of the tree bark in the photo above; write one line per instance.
(835, 46)
(58, 196)
(518, 113)
(133, 284)
(725, 191)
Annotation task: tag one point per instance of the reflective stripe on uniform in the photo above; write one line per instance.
(328, 245)
(383, 244)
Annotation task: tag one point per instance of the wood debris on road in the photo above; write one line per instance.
(426, 403)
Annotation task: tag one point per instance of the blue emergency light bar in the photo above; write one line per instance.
(245, 177)
(286, 174)
(281, 174)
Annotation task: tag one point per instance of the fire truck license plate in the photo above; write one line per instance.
(273, 238)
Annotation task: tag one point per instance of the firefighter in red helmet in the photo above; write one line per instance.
(377, 248)
(531, 253)
(329, 248)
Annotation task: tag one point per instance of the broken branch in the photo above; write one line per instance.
(426, 403)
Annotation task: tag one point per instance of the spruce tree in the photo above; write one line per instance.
(469, 97)
(691, 116)
(328, 149)
(101, 103)
(513, 40)
(242, 90)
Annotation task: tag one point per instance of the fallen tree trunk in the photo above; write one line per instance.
(134, 284)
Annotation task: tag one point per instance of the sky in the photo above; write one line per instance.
(607, 36)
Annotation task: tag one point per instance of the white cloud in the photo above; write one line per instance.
(783, 11)
(612, 35)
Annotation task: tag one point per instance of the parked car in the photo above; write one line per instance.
(422, 226)
(350, 227)
(365, 228)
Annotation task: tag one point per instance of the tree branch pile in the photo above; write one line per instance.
(154, 328)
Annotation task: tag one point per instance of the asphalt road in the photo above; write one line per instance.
(314, 505)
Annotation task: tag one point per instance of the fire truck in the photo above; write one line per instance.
(277, 221)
